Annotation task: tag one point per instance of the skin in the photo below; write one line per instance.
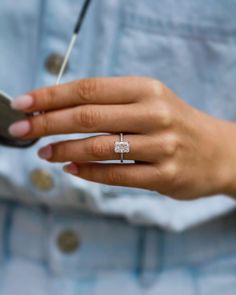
(178, 150)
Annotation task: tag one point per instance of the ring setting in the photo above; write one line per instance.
(122, 147)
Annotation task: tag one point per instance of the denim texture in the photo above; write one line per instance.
(190, 46)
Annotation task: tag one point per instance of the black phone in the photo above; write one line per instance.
(9, 116)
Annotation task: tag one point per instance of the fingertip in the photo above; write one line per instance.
(46, 153)
(22, 103)
(71, 169)
(20, 128)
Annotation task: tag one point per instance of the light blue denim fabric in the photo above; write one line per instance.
(189, 45)
(114, 257)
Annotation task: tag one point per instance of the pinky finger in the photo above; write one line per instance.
(129, 175)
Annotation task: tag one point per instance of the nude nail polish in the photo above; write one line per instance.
(22, 102)
(71, 168)
(46, 152)
(20, 128)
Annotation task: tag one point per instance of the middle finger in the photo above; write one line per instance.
(84, 119)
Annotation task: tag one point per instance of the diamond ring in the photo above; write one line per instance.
(122, 147)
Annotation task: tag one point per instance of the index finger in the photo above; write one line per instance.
(123, 90)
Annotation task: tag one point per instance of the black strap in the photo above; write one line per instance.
(81, 16)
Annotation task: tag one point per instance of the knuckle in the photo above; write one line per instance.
(169, 145)
(98, 149)
(87, 117)
(164, 117)
(169, 180)
(86, 89)
(113, 177)
(61, 152)
(48, 97)
(156, 87)
(44, 124)
(170, 174)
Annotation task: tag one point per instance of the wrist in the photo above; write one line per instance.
(228, 168)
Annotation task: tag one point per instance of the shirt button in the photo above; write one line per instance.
(54, 62)
(42, 180)
(68, 241)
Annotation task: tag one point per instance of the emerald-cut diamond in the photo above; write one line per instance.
(122, 147)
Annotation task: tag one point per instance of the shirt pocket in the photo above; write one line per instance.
(190, 50)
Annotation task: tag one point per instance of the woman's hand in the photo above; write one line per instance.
(178, 151)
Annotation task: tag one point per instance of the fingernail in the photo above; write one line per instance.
(46, 152)
(71, 168)
(20, 128)
(22, 102)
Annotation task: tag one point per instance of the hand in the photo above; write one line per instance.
(178, 150)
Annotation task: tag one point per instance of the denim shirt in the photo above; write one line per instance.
(187, 44)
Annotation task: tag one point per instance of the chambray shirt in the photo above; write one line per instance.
(187, 44)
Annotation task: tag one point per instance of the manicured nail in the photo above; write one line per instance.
(22, 102)
(46, 152)
(71, 168)
(20, 128)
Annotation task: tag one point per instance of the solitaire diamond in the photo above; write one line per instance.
(122, 147)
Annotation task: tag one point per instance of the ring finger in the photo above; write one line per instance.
(100, 148)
